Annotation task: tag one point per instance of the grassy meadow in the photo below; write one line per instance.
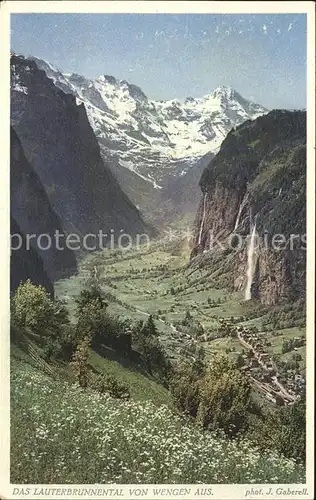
(85, 437)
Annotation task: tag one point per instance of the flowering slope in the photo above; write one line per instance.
(62, 434)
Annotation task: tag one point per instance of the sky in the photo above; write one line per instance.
(170, 56)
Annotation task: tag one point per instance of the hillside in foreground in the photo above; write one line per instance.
(85, 437)
(133, 388)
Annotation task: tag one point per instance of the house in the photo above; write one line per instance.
(254, 362)
(263, 357)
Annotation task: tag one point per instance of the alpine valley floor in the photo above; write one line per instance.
(157, 281)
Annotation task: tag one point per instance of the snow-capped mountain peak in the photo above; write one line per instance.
(106, 78)
(155, 139)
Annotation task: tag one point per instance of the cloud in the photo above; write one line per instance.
(159, 33)
(290, 26)
(140, 36)
(265, 29)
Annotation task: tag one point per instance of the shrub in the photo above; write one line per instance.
(185, 390)
(296, 356)
(284, 430)
(34, 309)
(219, 397)
(225, 400)
(154, 357)
(63, 346)
(239, 361)
(110, 385)
(103, 329)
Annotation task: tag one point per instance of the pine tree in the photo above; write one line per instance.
(149, 328)
(93, 294)
(198, 366)
(79, 361)
(187, 317)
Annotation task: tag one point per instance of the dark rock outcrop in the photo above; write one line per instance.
(27, 264)
(32, 213)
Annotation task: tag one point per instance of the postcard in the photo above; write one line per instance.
(158, 258)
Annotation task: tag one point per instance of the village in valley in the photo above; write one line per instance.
(280, 386)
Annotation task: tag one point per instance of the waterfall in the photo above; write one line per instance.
(241, 207)
(250, 263)
(202, 221)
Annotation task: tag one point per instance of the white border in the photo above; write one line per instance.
(229, 492)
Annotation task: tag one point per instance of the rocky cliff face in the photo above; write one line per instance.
(257, 182)
(59, 143)
(27, 264)
(32, 213)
